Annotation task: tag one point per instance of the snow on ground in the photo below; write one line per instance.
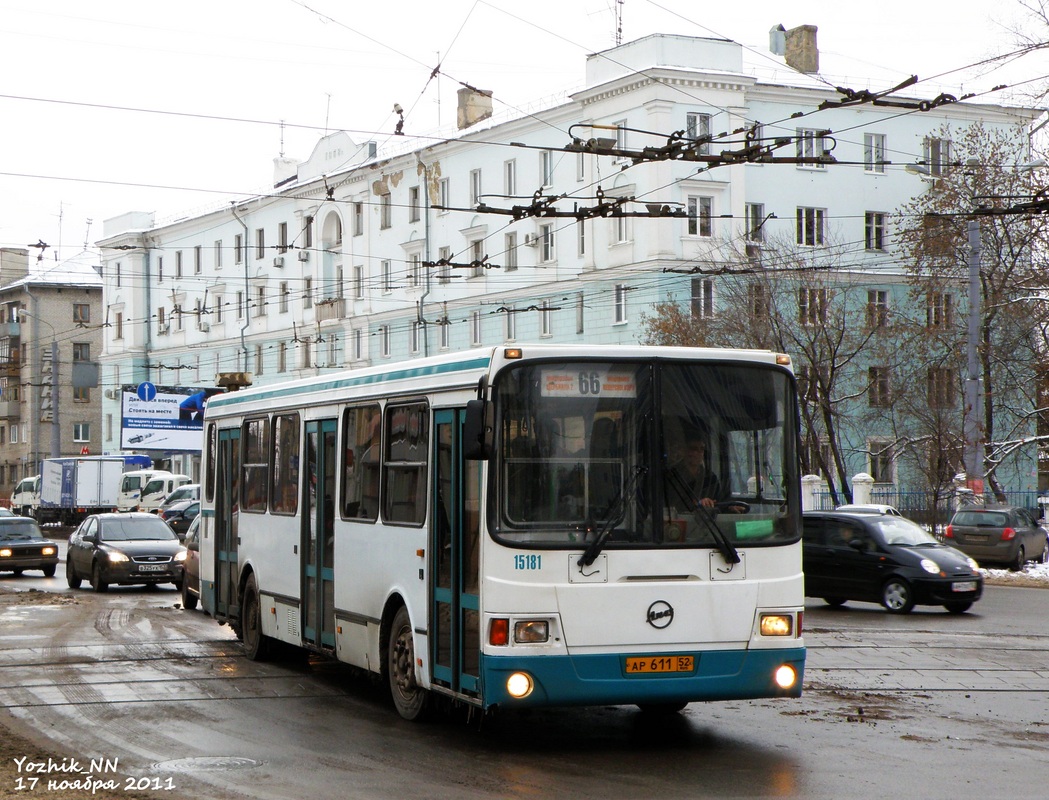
(1032, 575)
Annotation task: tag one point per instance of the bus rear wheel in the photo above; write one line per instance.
(409, 698)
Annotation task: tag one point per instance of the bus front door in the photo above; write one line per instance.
(454, 560)
(318, 536)
(227, 513)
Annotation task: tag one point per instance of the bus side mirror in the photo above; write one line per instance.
(478, 429)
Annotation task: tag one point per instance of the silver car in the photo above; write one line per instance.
(1007, 535)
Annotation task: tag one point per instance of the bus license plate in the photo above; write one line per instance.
(964, 586)
(651, 665)
(152, 567)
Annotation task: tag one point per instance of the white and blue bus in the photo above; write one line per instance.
(499, 527)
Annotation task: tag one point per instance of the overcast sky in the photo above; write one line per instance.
(119, 105)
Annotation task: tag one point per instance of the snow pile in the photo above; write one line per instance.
(1031, 573)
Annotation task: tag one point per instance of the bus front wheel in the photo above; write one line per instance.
(409, 698)
(256, 643)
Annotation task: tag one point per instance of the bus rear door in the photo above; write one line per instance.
(227, 513)
(454, 560)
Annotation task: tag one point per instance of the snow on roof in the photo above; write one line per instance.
(83, 269)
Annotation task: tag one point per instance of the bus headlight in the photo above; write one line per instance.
(519, 685)
(777, 625)
(531, 631)
(785, 676)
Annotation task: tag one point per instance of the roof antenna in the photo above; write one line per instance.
(619, 22)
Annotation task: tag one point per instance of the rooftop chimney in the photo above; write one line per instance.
(800, 49)
(474, 106)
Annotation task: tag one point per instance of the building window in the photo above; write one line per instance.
(758, 301)
(358, 219)
(700, 216)
(358, 344)
(581, 238)
(358, 281)
(702, 298)
(81, 352)
(160, 269)
(282, 237)
(809, 144)
(620, 229)
(475, 328)
(878, 387)
(238, 249)
(414, 337)
(385, 210)
(477, 256)
(444, 194)
(258, 359)
(546, 168)
(812, 306)
(446, 333)
(874, 152)
(509, 252)
(118, 326)
(546, 319)
(306, 349)
(880, 460)
(620, 304)
(81, 394)
(937, 155)
(511, 324)
(874, 230)
(307, 232)
(282, 357)
(81, 313)
(387, 276)
(240, 305)
(260, 244)
(162, 320)
(755, 213)
(510, 177)
(198, 260)
(285, 295)
(178, 263)
(218, 308)
(444, 272)
(475, 186)
(414, 211)
(621, 142)
(877, 308)
(217, 250)
(941, 387)
(697, 125)
(414, 269)
(384, 339)
(260, 301)
(939, 310)
(580, 314)
(810, 226)
(81, 432)
(547, 250)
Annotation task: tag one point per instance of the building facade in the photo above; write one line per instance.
(50, 340)
(364, 253)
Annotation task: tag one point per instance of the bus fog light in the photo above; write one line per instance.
(777, 625)
(519, 685)
(785, 676)
(532, 631)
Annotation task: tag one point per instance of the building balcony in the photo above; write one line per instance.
(10, 409)
(10, 369)
(332, 308)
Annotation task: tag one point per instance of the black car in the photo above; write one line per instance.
(23, 547)
(124, 549)
(180, 515)
(881, 558)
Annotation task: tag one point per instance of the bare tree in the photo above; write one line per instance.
(984, 173)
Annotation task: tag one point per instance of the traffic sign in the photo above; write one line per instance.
(146, 391)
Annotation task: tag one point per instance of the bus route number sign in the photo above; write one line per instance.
(585, 382)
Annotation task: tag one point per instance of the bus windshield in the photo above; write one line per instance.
(645, 454)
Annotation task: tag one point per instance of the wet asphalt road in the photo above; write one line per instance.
(927, 705)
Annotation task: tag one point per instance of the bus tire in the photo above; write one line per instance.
(409, 698)
(256, 643)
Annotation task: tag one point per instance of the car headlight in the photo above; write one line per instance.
(5, 553)
(48, 551)
(115, 556)
(180, 555)
(972, 563)
(930, 566)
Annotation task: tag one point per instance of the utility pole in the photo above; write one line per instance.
(972, 426)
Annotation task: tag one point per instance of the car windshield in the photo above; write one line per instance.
(595, 450)
(130, 530)
(898, 530)
(19, 531)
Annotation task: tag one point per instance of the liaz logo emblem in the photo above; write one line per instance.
(660, 614)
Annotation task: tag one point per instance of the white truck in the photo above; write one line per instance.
(26, 497)
(158, 488)
(73, 488)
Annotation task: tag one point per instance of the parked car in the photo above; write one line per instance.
(124, 548)
(180, 515)
(1007, 535)
(23, 547)
(6, 512)
(882, 558)
(870, 508)
(189, 491)
(191, 577)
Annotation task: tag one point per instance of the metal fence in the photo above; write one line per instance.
(928, 508)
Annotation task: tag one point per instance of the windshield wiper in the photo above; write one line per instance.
(614, 510)
(704, 518)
